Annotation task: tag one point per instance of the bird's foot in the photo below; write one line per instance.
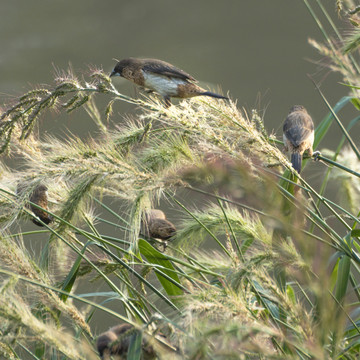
(316, 155)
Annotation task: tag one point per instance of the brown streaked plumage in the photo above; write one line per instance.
(155, 225)
(161, 77)
(114, 343)
(298, 135)
(39, 197)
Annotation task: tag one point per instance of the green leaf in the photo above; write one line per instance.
(356, 103)
(291, 293)
(135, 350)
(350, 86)
(355, 233)
(334, 258)
(343, 277)
(334, 275)
(71, 277)
(325, 124)
(154, 256)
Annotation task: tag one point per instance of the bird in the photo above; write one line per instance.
(114, 343)
(155, 225)
(298, 135)
(38, 196)
(161, 77)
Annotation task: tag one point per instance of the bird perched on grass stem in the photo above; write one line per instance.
(155, 225)
(298, 135)
(161, 77)
(114, 343)
(38, 197)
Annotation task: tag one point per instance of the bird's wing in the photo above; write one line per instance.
(298, 127)
(166, 69)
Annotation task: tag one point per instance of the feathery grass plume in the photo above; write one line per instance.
(29, 149)
(76, 196)
(210, 124)
(166, 154)
(231, 339)
(339, 6)
(348, 185)
(352, 42)
(15, 257)
(259, 123)
(130, 135)
(222, 324)
(75, 159)
(245, 227)
(339, 52)
(94, 113)
(15, 310)
(340, 62)
(6, 351)
(254, 273)
(141, 203)
(9, 206)
(251, 300)
(68, 93)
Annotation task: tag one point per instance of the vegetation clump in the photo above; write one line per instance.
(258, 264)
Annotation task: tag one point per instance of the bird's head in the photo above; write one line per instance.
(297, 108)
(40, 192)
(122, 66)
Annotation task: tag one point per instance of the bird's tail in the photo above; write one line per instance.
(214, 95)
(296, 158)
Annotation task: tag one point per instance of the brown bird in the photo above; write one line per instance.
(39, 197)
(155, 225)
(114, 343)
(161, 77)
(298, 135)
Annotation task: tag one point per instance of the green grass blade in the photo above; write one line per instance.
(342, 128)
(28, 352)
(71, 277)
(323, 127)
(141, 278)
(235, 241)
(154, 256)
(110, 210)
(71, 295)
(343, 275)
(135, 350)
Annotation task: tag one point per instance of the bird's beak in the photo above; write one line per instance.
(114, 73)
